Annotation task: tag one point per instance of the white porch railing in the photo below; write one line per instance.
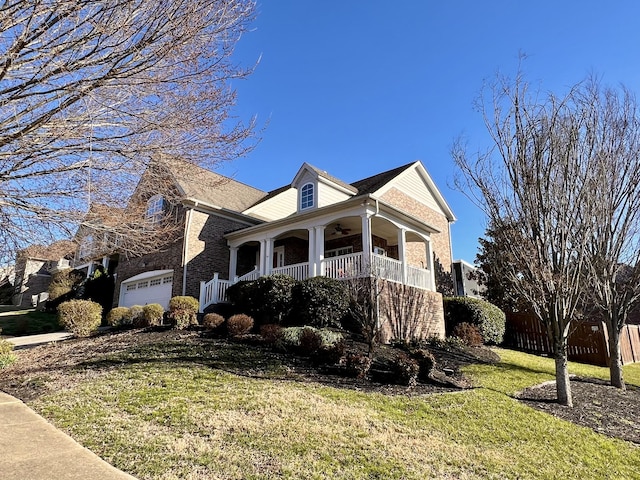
(213, 291)
(299, 271)
(344, 266)
(252, 275)
(419, 277)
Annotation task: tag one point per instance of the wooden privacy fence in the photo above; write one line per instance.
(588, 340)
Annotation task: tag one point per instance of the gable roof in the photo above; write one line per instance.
(375, 182)
(198, 183)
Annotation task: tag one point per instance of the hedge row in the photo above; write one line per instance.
(488, 318)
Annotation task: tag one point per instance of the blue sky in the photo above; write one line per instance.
(356, 87)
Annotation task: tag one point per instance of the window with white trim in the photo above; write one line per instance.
(337, 252)
(306, 196)
(155, 209)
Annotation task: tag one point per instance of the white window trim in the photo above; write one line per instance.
(155, 209)
(309, 186)
(339, 252)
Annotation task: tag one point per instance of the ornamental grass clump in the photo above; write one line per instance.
(239, 325)
(152, 315)
(212, 321)
(81, 317)
(134, 317)
(117, 316)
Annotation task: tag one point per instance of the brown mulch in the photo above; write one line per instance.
(596, 405)
(63, 365)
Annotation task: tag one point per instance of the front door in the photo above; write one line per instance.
(278, 257)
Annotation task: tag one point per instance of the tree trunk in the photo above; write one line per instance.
(615, 358)
(563, 387)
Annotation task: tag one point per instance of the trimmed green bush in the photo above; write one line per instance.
(320, 302)
(7, 357)
(489, 319)
(152, 314)
(267, 299)
(239, 324)
(117, 317)
(211, 321)
(183, 311)
(80, 317)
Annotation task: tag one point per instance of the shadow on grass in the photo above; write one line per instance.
(28, 322)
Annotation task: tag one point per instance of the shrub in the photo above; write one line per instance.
(489, 319)
(80, 317)
(469, 334)
(7, 357)
(239, 324)
(357, 365)
(332, 354)
(183, 311)
(406, 369)
(117, 316)
(309, 341)
(64, 281)
(134, 317)
(290, 336)
(152, 314)
(319, 301)
(267, 299)
(426, 362)
(271, 333)
(211, 321)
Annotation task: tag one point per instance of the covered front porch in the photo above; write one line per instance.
(368, 238)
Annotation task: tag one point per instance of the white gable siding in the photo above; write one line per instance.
(327, 195)
(412, 184)
(280, 206)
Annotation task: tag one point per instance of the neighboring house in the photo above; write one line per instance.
(465, 281)
(390, 224)
(33, 270)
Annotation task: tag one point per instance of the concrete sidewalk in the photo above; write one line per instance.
(33, 449)
(28, 341)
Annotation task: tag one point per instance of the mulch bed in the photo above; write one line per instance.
(596, 405)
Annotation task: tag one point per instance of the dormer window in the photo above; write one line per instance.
(306, 196)
(155, 209)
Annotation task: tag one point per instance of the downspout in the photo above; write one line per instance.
(185, 249)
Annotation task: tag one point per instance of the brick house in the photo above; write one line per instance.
(395, 223)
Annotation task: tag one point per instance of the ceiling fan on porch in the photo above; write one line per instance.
(338, 230)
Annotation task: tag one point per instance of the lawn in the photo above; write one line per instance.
(27, 321)
(181, 410)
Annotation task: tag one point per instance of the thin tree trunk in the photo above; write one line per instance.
(563, 387)
(615, 359)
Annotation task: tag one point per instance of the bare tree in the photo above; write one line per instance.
(613, 274)
(92, 90)
(537, 178)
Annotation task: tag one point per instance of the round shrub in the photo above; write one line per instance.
(489, 319)
(426, 362)
(152, 314)
(406, 369)
(134, 317)
(357, 365)
(271, 333)
(469, 334)
(319, 301)
(80, 317)
(239, 324)
(267, 299)
(183, 311)
(211, 321)
(117, 316)
(310, 341)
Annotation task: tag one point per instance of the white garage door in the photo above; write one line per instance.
(146, 288)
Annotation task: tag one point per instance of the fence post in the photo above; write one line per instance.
(202, 295)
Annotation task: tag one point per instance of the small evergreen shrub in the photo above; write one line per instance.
(80, 317)
(152, 314)
(357, 365)
(239, 324)
(320, 302)
(7, 357)
(310, 341)
(211, 321)
(117, 316)
(469, 334)
(489, 319)
(134, 317)
(271, 333)
(406, 369)
(183, 311)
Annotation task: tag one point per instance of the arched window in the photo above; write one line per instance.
(306, 196)
(155, 209)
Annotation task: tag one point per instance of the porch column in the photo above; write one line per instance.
(402, 253)
(432, 273)
(263, 254)
(366, 240)
(319, 256)
(233, 263)
(313, 264)
(268, 258)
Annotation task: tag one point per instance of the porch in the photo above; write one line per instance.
(343, 267)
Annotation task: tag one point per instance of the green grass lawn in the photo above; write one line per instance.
(176, 411)
(28, 321)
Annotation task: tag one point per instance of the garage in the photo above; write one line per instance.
(146, 288)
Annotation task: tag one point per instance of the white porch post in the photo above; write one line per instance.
(263, 254)
(366, 239)
(268, 258)
(233, 263)
(313, 263)
(319, 256)
(402, 253)
(432, 273)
